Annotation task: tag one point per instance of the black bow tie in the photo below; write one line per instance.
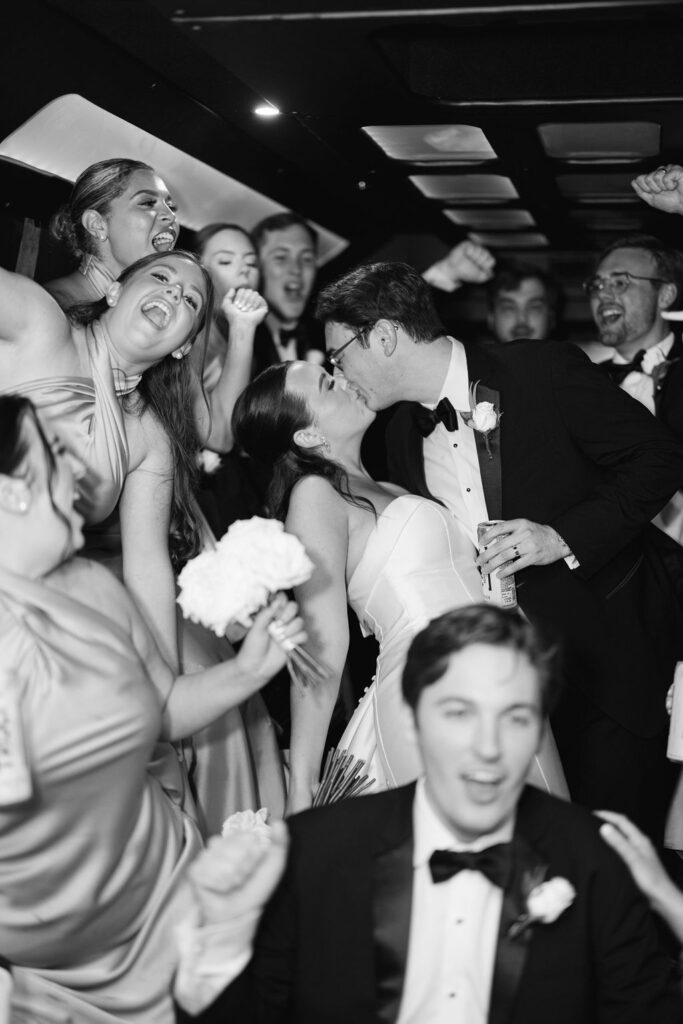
(619, 371)
(287, 336)
(495, 863)
(427, 419)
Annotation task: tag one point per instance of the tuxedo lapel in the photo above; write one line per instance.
(490, 465)
(484, 371)
(675, 354)
(391, 906)
(511, 953)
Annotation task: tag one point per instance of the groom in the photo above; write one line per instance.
(467, 897)
(576, 469)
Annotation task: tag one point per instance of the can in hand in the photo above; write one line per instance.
(501, 592)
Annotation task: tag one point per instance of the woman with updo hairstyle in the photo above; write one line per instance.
(93, 856)
(119, 210)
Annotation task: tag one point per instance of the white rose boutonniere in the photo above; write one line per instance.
(545, 902)
(484, 417)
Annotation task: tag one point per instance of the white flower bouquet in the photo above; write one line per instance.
(231, 582)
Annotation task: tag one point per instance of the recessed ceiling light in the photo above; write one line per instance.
(267, 110)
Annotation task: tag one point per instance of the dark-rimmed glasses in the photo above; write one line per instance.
(335, 356)
(617, 283)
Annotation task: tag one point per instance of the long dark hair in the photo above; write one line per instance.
(166, 390)
(265, 418)
(14, 410)
(94, 189)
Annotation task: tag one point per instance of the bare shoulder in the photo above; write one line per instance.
(313, 495)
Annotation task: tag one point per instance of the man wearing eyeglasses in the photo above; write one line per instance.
(574, 470)
(637, 280)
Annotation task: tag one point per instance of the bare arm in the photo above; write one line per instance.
(145, 515)
(28, 314)
(318, 516)
(244, 310)
(193, 701)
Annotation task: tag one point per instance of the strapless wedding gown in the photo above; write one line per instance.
(418, 563)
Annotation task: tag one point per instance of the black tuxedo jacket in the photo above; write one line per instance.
(308, 336)
(574, 451)
(669, 391)
(332, 946)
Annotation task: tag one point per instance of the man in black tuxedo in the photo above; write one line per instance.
(533, 434)
(638, 280)
(466, 897)
(287, 248)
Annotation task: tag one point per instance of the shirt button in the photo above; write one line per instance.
(468, 489)
(455, 445)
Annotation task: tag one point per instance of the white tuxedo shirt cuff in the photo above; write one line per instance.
(211, 957)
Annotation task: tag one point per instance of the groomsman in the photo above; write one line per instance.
(534, 435)
(637, 281)
(467, 898)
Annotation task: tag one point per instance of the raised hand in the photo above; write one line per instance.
(469, 263)
(662, 189)
(244, 306)
(237, 873)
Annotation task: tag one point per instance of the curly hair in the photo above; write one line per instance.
(166, 390)
(265, 418)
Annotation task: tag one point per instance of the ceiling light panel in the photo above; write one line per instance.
(597, 188)
(466, 188)
(509, 240)
(427, 143)
(491, 220)
(601, 142)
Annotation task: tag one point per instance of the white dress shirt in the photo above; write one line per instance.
(453, 929)
(450, 457)
(638, 384)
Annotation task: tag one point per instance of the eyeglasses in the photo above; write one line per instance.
(335, 357)
(617, 283)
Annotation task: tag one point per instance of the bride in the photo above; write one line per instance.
(399, 559)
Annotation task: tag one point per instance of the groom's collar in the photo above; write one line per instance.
(456, 383)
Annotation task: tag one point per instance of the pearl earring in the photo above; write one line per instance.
(22, 505)
(178, 354)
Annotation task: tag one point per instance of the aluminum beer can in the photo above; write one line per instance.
(501, 592)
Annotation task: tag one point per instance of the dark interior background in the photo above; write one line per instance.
(192, 75)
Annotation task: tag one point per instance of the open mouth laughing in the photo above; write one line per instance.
(158, 311)
(164, 241)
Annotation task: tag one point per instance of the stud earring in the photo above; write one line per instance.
(178, 354)
(325, 445)
(22, 505)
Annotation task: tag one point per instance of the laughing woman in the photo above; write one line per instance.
(115, 377)
(121, 210)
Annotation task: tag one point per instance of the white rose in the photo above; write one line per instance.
(208, 461)
(275, 558)
(652, 357)
(546, 902)
(484, 417)
(248, 821)
(218, 588)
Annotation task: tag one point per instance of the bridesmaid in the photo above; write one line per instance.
(92, 861)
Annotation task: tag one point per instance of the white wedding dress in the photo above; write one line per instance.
(417, 564)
